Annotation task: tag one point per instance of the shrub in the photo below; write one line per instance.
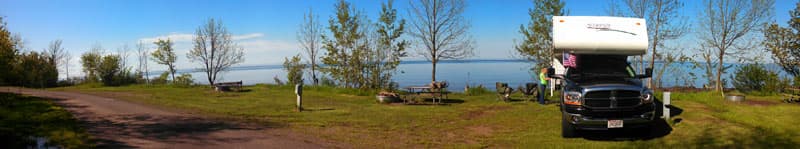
(184, 80)
(753, 78)
(477, 90)
(161, 79)
(294, 70)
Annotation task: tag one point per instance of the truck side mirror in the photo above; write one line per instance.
(648, 72)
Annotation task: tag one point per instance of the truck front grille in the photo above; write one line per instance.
(612, 99)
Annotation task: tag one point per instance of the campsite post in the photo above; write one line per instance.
(298, 89)
(666, 103)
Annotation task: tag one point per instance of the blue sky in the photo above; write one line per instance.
(265, 28)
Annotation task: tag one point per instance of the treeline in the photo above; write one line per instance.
(22, 67)
(361, 53)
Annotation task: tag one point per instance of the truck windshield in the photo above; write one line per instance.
(591, 67)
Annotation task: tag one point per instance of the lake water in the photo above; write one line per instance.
(457, 73)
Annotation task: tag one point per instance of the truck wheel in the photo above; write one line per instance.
(568, 130)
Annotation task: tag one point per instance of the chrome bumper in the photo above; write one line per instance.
(587, 123)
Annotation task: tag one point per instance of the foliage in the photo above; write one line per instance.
(441, 30)
(294, 70)
(106, 69)
(537, 36)
(184, 80)
(215, 50)
(35, 69)
(165, 55)
(361, 54)
(90, 62)
(24, 117)
(161, 79)
(344, 54)
(751, 78)
(389, 48)
(726, 24)
(784, 42)
(8, 54)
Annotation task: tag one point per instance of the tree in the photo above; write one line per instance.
(142, 53)
(438, 25)
(109, 68)
(725, 22)
(124, 52)
(784, 43)
(165, 55)
(538, 38)
(663, 24)
(309, 38)
(343, 56)
(91, 61)
(55, 53)
(294, 70)
(389, 47)
(67, 60)
(8, 53)
(215, 50)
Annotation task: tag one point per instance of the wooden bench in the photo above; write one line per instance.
(226, 86)
(791, 95)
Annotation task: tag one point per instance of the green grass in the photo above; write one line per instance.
(470, 121)
(22, 118)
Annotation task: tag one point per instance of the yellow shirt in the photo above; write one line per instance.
(542, 78)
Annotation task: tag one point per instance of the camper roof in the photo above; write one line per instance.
(599, 35)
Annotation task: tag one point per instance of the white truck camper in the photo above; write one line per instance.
(599, 88)
(599, 35)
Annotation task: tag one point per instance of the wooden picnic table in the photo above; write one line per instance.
(414, 92)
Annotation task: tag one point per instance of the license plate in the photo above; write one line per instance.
(614, 123)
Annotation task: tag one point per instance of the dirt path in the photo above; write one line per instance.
(119, 124)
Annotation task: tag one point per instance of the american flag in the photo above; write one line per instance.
(570, 60)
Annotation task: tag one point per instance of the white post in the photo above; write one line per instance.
(298, 89)
(666, 109)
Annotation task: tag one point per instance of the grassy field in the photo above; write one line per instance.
(24, 118)
(704, 120)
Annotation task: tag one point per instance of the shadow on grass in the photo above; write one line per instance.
(659, 128)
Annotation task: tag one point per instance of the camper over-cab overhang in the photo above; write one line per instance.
(599, 35)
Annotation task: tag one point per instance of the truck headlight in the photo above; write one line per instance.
(647, 97)
(573, 98)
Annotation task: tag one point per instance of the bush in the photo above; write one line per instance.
(754, 78)
(477, 90)
(161, 79)
(184, 80)
(294, 70)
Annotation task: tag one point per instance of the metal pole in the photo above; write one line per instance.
(666, 102)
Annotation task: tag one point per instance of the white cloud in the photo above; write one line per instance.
(247, 36)
(175, 37)
(184, 37)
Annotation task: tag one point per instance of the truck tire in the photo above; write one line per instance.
(568, 130)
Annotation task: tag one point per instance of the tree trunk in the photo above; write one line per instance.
(433, 71)
(314, 73)
(719, 70)
(652, 64)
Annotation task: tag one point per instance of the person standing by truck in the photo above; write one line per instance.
(542, 84)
